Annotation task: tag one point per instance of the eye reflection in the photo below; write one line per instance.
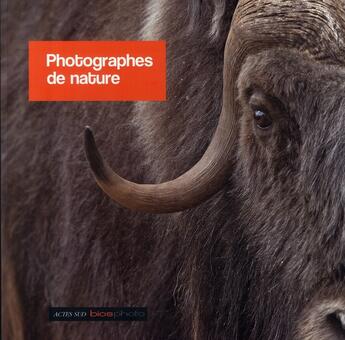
(262, 119)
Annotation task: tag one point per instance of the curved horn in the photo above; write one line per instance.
(196, 185)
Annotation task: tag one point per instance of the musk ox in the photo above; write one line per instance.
(249, 150)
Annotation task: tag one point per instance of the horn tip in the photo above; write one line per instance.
(93, 156)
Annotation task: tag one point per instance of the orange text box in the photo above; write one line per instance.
(97, 71)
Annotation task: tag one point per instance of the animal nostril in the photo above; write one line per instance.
(336, 321)
(340, 315)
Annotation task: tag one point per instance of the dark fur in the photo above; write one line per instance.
(242, 265)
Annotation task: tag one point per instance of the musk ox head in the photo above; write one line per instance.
(291, 179)
(281, 135)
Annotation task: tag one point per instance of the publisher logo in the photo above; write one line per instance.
(97, 314)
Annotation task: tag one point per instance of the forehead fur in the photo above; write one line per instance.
(287, 73)
(301, 84)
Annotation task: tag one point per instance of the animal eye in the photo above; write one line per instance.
(262, 119)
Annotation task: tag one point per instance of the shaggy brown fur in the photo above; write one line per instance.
(11, 309)
(323, 318)
(243, 265)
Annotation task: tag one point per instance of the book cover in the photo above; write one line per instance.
(173, 169)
